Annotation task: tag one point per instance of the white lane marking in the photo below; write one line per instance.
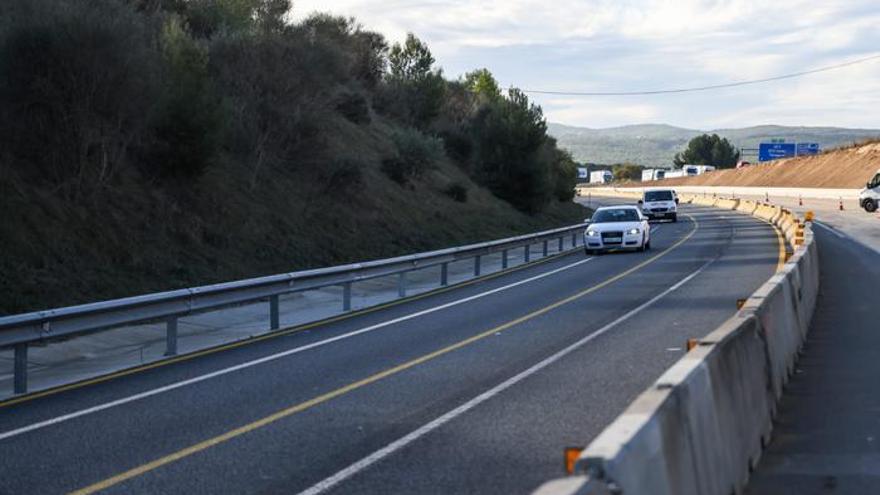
(273, 357)
(673, 349)
(402, 442)
(831, 229)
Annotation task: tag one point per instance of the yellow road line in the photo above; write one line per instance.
(278, 333)
(780, 238)
(193, 449)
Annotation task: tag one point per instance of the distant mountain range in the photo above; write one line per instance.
(655, 145)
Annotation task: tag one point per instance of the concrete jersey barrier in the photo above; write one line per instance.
(701, 427)
(785, 192)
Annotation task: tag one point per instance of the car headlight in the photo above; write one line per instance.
(634, 231)
(592, 233)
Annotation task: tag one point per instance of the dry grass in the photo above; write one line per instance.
(138, 238)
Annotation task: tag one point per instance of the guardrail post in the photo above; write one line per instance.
(19, 384)
(527, 252)
(574, 239)
(444, 274)
(274, 320)
(401, 284)
(560, 244)
(171, 336)
(477, 265)
(504, 259)
(546, 250)
(346, 296)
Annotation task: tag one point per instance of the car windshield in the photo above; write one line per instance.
(616, 215)
(658, 196)
(875, 182)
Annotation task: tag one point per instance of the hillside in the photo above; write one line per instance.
(656, 144)
(149, 146)
(845, 168)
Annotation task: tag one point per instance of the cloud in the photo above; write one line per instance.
(631, 45)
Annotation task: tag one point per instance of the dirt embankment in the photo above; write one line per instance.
(846, 168)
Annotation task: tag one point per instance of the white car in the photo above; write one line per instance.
(660, 203)
(869, 198)
(617, 227)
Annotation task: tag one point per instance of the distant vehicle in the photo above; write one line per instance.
(660, 203)
(653, 174)
(583, 174)
(702, 169)
(615, 227)
(674, 174)
(743, 164)
(601, 177)
(691, 170)
(870, 195)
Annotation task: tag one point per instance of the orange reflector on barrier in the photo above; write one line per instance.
(571, 456)
(809, 216)
(740, 303)
(691, 343)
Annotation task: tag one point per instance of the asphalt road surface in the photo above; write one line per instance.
(826, 439)
(472, 390)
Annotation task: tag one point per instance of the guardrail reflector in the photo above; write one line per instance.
(809, 216)
(740, 303)
(691, 343)
(571, 456)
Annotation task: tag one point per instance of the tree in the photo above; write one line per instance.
(708, 150)
(411, 62)
(511, 152)
(626, 171)
(483, 84)
(416, 90)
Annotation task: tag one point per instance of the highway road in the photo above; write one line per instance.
(476, 389)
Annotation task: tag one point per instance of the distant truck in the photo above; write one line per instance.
(601, 177)
(675, 174)
(870, 195)
(653, 174)
(692, 170)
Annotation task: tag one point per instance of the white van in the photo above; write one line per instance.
(660, 203)
(869, 198)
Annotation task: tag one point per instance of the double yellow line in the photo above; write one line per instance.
(284, 413)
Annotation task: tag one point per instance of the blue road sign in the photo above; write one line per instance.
(807, 149)
(775, 151)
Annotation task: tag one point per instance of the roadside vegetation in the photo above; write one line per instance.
(708, 150)
(153, 144)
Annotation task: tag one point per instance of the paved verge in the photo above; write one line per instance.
(827, 434)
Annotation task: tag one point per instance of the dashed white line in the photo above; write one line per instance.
(273, 357)
(404, 441)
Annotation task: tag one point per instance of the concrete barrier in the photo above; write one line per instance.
(785, 192)
(701, 427)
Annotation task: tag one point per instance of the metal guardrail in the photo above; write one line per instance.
(19, 331)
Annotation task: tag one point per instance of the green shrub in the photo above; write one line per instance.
(190, 118)
(457, 191)
(416, 154)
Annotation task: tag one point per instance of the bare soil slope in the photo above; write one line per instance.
(845, 168)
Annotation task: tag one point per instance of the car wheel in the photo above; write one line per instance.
(675, 218)
(648, 245)
(588, 252)
(870, 205)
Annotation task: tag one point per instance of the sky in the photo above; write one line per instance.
(644, 45)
